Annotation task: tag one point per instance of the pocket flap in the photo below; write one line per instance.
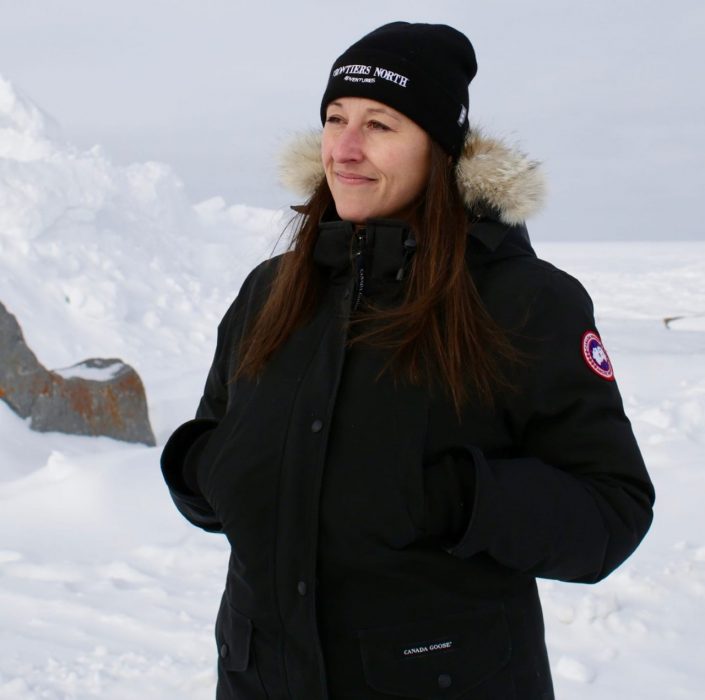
(440, 658)
(233, 635)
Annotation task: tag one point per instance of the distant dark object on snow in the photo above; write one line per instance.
(672, 319)
(94, 397)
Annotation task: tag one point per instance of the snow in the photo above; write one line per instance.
(87, 371)
(106, 592)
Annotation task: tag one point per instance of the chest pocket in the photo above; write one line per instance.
(439, 659)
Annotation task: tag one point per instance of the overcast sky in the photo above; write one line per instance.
(608, 94)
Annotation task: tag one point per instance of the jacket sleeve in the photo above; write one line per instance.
(181, 460)
(180, 455)
(575, 500)
(180, 465)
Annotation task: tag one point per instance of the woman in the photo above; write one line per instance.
(409, 416)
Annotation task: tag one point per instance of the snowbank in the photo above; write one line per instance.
(89, 250)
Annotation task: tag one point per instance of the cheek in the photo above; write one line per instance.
(414, 173)
(326, 148)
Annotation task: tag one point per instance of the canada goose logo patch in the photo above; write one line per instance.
(428, 648)
(596, 356)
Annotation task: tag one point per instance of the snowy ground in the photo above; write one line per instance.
(106, 592)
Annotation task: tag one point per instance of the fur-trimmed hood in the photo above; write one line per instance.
(490, 174)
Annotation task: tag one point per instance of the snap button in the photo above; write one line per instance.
(316, 426)
(224, 651)
(301, 587)
(444, 680)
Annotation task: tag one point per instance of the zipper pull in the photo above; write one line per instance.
(409, 250)
(361, 240)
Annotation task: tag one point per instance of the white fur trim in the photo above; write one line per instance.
(489, 173)
(300, 167)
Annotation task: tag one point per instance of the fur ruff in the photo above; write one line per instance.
(490, 174)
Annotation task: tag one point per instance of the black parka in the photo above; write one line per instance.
(317, 473)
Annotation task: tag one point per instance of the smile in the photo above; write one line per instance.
(353, 179)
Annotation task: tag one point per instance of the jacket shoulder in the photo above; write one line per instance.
(527, 289)
(253, 291)
(239, 316)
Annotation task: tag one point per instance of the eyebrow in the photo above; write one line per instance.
(377, 110)
(373, 110)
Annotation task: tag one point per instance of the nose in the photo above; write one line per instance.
(348, 146)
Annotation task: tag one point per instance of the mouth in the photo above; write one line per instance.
(353, 178)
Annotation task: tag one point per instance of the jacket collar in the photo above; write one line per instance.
(497, 181)
(385, 247)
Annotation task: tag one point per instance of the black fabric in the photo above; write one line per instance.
(384, 546)
(182, 452)
(421, 70)
(449, 492)
(192, 461)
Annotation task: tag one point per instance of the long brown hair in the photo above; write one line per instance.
(440, 331)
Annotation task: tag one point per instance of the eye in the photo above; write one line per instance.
(378, 126)
(334, 119)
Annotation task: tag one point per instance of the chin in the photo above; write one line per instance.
(357, 215)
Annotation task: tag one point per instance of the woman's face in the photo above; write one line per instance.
(376, 160)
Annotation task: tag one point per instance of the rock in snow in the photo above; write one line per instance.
(94, 397)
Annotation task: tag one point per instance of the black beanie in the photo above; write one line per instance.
(421, 70)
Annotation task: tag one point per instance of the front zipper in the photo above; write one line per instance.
(359, 266)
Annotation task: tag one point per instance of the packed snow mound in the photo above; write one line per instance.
(87, 245)
(25, 130)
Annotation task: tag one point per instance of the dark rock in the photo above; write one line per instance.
(94, 397)
(21, 375)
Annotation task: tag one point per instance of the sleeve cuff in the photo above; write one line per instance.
(180, 455)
